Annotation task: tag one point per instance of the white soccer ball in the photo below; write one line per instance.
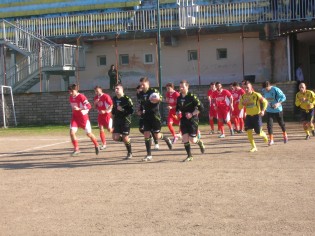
(154, 97)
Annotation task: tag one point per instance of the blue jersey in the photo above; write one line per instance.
(273, 96)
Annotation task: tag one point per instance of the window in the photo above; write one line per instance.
(101, 60)
(124, 59)
(221, 53)
(192, 55)
(148, 59)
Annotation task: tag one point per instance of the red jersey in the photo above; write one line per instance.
(237, 94)
(211, 97)
(171, 99)
(222, 99)
(80, 101)
(104, 101)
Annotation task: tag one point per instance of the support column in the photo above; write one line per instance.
(64, 83)
(46, 82)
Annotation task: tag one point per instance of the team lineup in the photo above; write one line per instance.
(241, 108)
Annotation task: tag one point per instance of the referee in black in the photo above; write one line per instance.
(190, 107)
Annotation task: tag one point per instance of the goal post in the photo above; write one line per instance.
(8, 108)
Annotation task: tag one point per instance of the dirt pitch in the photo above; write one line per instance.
(227, 191)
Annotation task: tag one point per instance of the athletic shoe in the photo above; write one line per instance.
(218, 131)
(103, 147)
(75, 153)
(147, 158)
(169, 143)
(97, 150)
(199, 135)
(313, 132)
(211, 132)
(175, 139)
(241, 131)
(129, 156)
(266, 139)
(271, 142)
(253, 149)
(221, 136)
(179, 136)
(156, 146)
(285, 139)
(231, 132)
(188, 159)
(202, 147)
(307, 137)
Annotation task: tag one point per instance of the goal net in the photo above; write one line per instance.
(8, 117)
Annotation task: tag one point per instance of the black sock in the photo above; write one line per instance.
(187, 147)
(154, 138)
(128, 146)
(148, 145)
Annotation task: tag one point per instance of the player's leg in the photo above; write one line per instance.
(258, 128)
(249, 129)
(156, 128)
(228, 121)
(305, 118)
(171, 128)
(241, 120)
(211, 123)
(88, 131)
(127, 141)
(311, 121)
(280, 120)
(74, 140)
(103, 137)
(269, 117)
(185, 140)
(193, 136)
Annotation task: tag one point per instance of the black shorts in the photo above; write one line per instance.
(141, 123)
(189, 127)
(307, 116)
(121, 127)
(253, 122)
(152, 123)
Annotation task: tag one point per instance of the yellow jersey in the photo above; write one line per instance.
(305, 100)
(254, 103)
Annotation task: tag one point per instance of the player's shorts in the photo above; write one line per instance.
(83, 124)
(105, 120)
(307, 116)
(253, 122)
(238, 113)
(152, 123)
(172, 118)
(212, 112)
(141, 124)
(224, 114)
(190, 126)
(121, 127)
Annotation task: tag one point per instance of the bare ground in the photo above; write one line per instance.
(226, 191)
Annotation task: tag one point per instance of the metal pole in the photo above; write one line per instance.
(3, 108)
(243, 56)
(159, 44)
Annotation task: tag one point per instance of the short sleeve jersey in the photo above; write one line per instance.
(104, 102)
(79, 101)
(222, 98)
(211, 94)
(171, 99)
(237, 94)
(126, 103)
(253, 103)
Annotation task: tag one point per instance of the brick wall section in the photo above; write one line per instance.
(54, 108)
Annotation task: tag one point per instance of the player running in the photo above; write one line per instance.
(189, 106)
(149, 108)
(305, 100)
(212, 107)
(275, 98)
(255, 105)
(237, 114)
(122, 110)
(104, 104)
(224, 104)
(80, 118)
(172, 118)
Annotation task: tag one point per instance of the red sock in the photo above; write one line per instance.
(221, 127)
(229, 124)
(94, 142)
(103, 138)
(75, 145)
(237, 123)
(171, 128)
(241, 121)
(211, 124)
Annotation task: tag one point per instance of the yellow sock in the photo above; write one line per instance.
(251, 138)
(264, 135)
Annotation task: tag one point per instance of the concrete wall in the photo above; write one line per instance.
(54, 108)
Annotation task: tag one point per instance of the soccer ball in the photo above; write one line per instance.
(154, 98)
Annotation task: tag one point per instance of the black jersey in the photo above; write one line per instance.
(189, 103)
(126, 103)
(146, 106)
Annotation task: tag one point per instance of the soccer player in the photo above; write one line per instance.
(305, 100)
(224, 104)
(122, 110)
(104, 104)
(237, 114)
(151, 116)
(141, 126)
(80, 118)
(189, 106)
(255, 105)
(212, 107)
(172, 118)
(275, 98)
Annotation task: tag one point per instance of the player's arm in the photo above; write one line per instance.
(263, 105)
(231, 103)
(127, 109)
(198, 108)
(241, 103)
(297, 100)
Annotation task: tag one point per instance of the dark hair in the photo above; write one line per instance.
(97, 87)
(72, 87)
(247, 82)
(216, 83)
(139, 86)
(119, 85)
(144, 79)
(235, 84)
(266, 84)
(169, 85)
(184, 82)
(212, 83)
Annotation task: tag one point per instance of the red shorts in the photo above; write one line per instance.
(224, 114)
(105, 120)
(172, 118)
(81, 123)
(212, 112)
(238, 113)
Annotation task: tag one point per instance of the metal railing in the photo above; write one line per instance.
(262, 11)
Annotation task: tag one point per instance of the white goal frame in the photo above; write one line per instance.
(3, 105)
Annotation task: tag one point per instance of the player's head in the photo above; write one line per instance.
(169, 87)
(235, 85)
(73, 89)
(144, 83)
(218, 85)
(266, 85)
(183, 86)
(112, 67)
(243, 83)
(98, 90)
(119, 90)
(231, 86)
(139, 89)
(212, 86)
(302, 87)
(248, 87)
